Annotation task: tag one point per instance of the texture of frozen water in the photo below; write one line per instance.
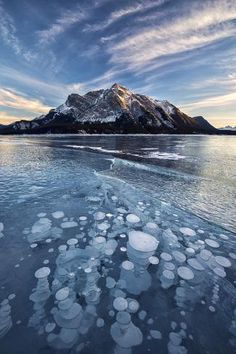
(167, 274)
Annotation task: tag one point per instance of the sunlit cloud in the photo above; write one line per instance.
(6, 118)
(215, 101)
(9, 98)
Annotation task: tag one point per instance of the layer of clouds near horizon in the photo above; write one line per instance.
(179, 50)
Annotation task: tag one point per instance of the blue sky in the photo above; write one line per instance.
(180, 50)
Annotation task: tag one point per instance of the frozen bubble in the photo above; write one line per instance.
(175, 338)
(133, 305)
(58, 214)
(48, 240)
(110, 282)
(232, 255)
(100, 322)
(46, 261)
(179, 256)
(127, 265)
(88, 270)
(142, 314)
(120, 304)
(150, 321)
(50, 327)
(143, 242)
(11, 296)
(123, 317)
(200, 231)
(69, 224)
(152, 226)
(153, 260)
(72, 242)
(51, 250)
(62, 294)
(103, 226)
(122, 235)
(109, 215)
(111, 313)
(1, 227)
(42, 272)
(185, 273)
(123, 249)
(168, 274)
(169, 265)
(190, 251)
(155, 334)
(33, 245)
(83, 218)
(41, 215)
(195, 264)
(205, 255)
(99, 215)
(212, 309)
(166, 256)
(224, 237)
(132, 218)
(212, 243)
(65, 304)
(222, 261)
(186, 231)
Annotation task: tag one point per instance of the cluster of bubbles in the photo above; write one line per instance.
(118, 252)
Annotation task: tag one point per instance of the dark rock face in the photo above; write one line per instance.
(204, 124)
(113, 111)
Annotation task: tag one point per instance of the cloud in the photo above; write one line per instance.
(62, 24)
(205, 24)
(51, 91)
(11, 99)
(6, 118)
(8, 34)
(120, 14)
(211, 102)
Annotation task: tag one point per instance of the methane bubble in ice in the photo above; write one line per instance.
(195, 264)
(132, 218)
(212, 243)
(153, 260)
(222, 261)
(143, 242)
(185, 273)
(69, 224)
(120, 304)
(58, 214)
(187, 231)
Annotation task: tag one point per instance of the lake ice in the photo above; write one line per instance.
(94, 261)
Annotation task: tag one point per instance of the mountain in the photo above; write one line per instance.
(112, 111)
(204, 124)
(228, 127)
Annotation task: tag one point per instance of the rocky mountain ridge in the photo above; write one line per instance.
(116, 110)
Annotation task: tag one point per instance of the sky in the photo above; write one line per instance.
(183, 51)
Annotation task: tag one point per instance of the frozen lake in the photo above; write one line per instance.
(117, 244)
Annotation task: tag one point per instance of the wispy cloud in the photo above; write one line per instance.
(9, 98)
(117, 15)
(214, 101)
(8, 33)
(206, 23)
(62, 24)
